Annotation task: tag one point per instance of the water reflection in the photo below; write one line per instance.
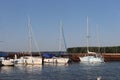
(108, 71)
(6, 69)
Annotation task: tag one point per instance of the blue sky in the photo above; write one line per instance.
(45, 18)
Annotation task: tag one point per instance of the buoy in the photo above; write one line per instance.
(99, 78)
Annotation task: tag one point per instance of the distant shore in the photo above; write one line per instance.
(107, 56)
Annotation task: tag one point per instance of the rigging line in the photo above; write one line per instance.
(32, 37)
(35, 41)
(65, 45)
(62, 37)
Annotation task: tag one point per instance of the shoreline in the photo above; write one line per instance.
(107, 56)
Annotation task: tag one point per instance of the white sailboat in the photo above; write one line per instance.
(30, 60)
(56, 60)
(91, 57)
(62, 37)
(7, 62)
(59, 60)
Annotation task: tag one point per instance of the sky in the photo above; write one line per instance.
(45, 16)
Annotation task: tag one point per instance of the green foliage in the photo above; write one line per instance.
(113, 49)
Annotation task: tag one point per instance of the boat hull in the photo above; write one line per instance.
(33, 61)
(91, 59)
(7, 63)
(56, 60)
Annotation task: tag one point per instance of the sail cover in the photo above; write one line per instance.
(2, 54)
(47, 55)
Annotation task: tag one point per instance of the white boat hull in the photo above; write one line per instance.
(7, 62)
(33, 61)
(29, 60)
(91, 59)
(20, 61)
(56, 60)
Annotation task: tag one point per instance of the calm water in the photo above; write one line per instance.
(79, 71)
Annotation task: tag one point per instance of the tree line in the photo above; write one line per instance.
(113, 49)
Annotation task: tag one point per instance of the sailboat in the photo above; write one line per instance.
(30, 60)
(59, 59)
(91, 57)
(7, 62)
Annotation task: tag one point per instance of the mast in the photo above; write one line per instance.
(98, 40)
(87, 35)
(61, 37)
(30, 36)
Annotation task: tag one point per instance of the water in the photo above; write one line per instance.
(78, 71)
